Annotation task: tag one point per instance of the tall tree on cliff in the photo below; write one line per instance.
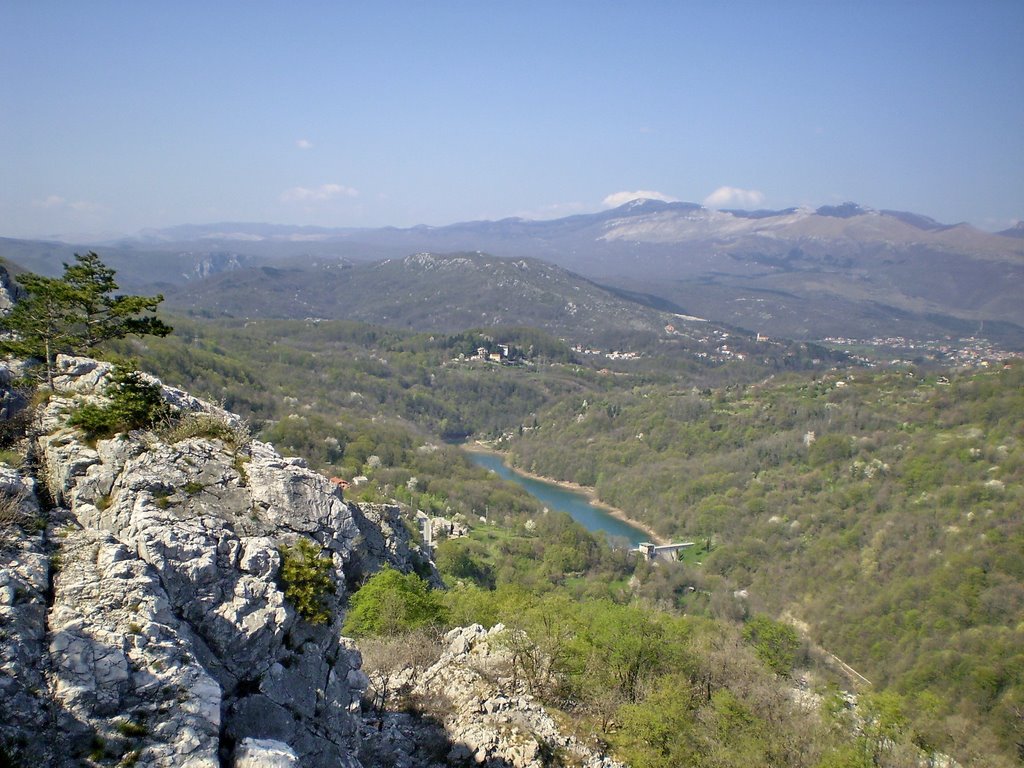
(75, 313)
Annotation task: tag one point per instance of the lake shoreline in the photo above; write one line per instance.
(587, 491)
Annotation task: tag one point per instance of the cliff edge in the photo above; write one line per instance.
(146, 618)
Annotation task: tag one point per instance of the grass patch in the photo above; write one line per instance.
(12, 513)
(695, 555)
(239, 465)
(12, 458)
(195, 425)
(132, 729)
(192, 487)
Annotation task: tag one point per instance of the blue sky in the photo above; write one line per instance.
(120, 116)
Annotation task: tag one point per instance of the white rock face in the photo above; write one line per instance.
(116, 648)
(147, 624)
(384, 540)
(168, 610)
(487, 719)
(264, 753)
(24, 583)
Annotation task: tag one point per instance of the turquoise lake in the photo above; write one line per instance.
(552, 496)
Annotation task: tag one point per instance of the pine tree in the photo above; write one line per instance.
(75, 313)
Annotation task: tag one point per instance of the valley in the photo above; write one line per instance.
(846, 497)
(865, 488)
(512, 385)
(572, 500)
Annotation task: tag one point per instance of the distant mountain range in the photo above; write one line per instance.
(838, 270)
(460, 291)
(425, 291)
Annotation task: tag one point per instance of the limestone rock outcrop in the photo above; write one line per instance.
(24, 586)
(484, 717)
(144, 617)
(383, 541)
(122, 666)
(168, 640)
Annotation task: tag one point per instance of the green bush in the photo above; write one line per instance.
(192, 487)
(775, 644)
(135, 403)
(14, 427)
(391, 603)
(459, 559)
(306, 580)
(830, 448)
(132, 729)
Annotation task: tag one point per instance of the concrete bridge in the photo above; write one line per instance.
(654, 551)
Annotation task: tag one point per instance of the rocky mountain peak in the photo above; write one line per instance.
(432, 261)
(843, 211)
(1017, 230)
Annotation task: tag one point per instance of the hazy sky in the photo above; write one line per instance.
(119, 116)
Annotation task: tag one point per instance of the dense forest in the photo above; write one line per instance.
(881, 509)
(875, 512)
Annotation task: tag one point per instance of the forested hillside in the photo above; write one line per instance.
(272, 368)
(879, 511)
(449, 293)
(882, 509)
